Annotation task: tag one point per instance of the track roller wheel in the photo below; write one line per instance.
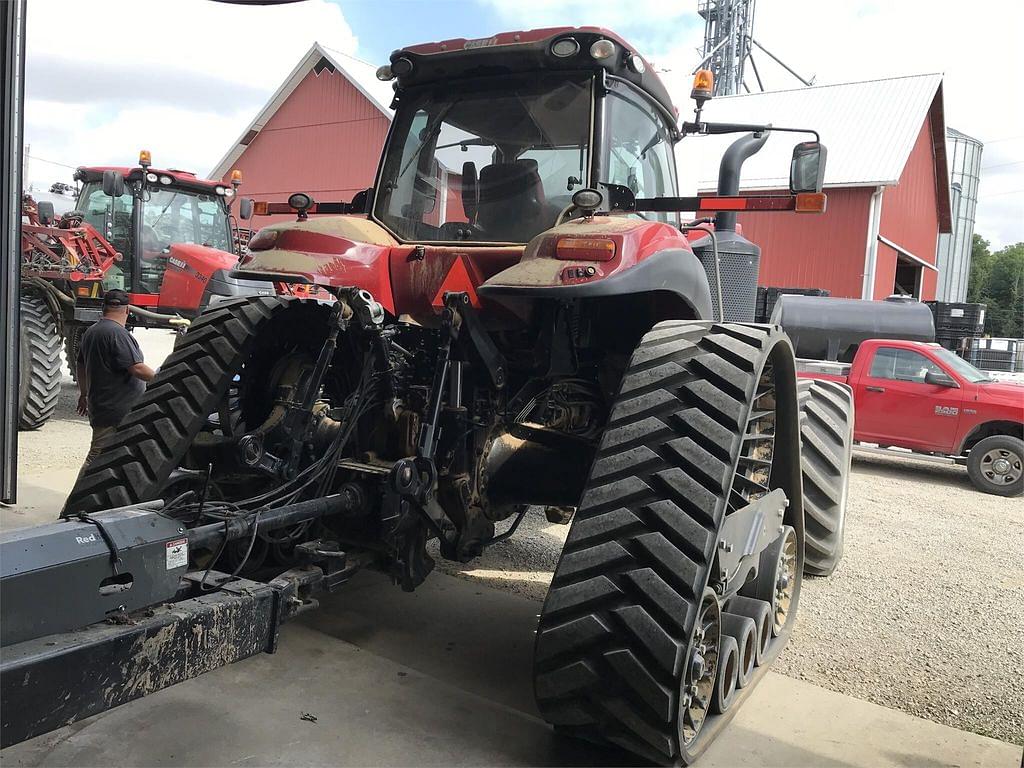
(39, 364)
(743, 631)
(759, 612)
(705, 422)
(826, 435)
(728, 676)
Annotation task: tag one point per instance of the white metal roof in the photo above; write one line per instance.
(868, 128)
(360, 73)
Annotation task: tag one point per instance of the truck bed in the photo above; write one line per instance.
(823, 369)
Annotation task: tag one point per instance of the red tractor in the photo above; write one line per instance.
(515, 317)
(166, 237)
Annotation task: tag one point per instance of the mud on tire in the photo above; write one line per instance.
(39, 374)
(151, 441)
(614, 630)
(826, 437)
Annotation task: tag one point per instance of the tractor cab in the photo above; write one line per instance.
(489, 147)
(173, 230)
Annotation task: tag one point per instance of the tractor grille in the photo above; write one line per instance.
(739, 263)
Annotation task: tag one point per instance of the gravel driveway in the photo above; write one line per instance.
(924, 614)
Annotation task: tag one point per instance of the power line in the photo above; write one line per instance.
(1001, 165)
(1000, 194)
(53, 162)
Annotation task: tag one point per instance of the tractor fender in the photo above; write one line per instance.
(675, 271)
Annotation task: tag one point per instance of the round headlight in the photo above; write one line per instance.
(587, 199)
(384, 73)
(636, 63)
(401, 67)
(565, 47)
(228, 192)
(602, 49)
(219, 190)
(166, 180)
(300, 201)
(151, 178)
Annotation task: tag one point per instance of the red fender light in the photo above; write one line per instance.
(263, 240)
(585, 249)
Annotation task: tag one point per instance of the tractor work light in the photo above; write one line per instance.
(145, 158)
(588, 199)
(703, 85)
(228, 192)
(565, 47)
(300, 201)
(636, 63)
(152, 178)
(219, 191)
(166, 180)
(602, 49)
(401, 67)
(585, 249)
(384, 73)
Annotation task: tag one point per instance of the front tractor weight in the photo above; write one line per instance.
(644, 639)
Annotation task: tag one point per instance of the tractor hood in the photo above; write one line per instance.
(329, 251)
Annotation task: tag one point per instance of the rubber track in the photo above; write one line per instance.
(155, 435)
(826, 437)
(615, 624)
(39, 385)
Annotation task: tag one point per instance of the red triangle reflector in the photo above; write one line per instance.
(456, 281)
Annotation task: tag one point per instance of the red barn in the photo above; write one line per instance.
(886, 178)
(321, 132)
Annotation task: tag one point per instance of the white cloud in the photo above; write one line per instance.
(180, 78)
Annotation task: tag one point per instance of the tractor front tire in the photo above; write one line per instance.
(630, 620)
(826, 451)
(39, 363)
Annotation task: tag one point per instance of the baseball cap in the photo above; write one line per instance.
(115, 297)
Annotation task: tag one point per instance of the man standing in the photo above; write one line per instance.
(111, 373)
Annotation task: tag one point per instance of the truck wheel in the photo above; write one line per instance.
(996, 465)
(627, 647)
(154, 437)
(826, 437)
(39, 374)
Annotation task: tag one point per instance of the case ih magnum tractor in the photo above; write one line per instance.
(166, 237)
(514, 319)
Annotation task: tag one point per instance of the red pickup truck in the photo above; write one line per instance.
(909, 394)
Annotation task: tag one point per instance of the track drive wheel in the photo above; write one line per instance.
(628, 643)
(826, 450)
(154, 437)
(39, 373)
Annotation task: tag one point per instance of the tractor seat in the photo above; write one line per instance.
(511, 205)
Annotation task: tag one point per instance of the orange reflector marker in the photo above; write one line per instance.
(82, 290)
(261, 208)
(585, 249)
(810, 202)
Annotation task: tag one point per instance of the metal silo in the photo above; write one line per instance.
(953, 252)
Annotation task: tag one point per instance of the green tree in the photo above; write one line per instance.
(1004, 292)
(981, 264)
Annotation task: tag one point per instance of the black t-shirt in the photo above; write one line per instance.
(107, 351)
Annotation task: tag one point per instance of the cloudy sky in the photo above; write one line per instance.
(183, 78)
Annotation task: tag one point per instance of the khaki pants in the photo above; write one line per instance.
(99, 437)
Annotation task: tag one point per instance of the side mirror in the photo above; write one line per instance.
(807, 169)
(44, 209)
(940, 379)
(245, 208)
(113, 184)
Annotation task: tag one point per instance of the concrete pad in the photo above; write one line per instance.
(41, 497)
(442, 677)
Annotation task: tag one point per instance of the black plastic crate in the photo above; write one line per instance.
(957, 315)
(760, 305)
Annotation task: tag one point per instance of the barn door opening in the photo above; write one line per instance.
(909, 278)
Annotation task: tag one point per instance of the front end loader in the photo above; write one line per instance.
(514, 317)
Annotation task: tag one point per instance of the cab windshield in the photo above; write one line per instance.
(169, 215)
(466, 164)
(962, 367)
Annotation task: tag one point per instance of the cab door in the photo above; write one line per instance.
(896, 406)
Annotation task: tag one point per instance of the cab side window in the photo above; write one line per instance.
(901, 365)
